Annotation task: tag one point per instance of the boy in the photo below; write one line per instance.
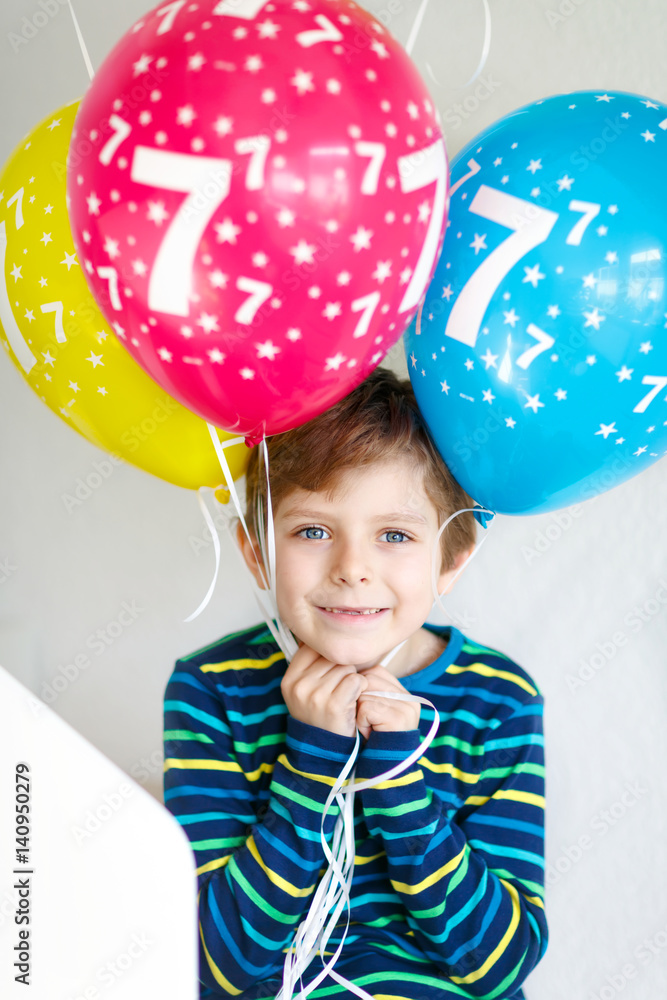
(447, 897)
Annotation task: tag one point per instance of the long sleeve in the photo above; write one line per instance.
(470, 873)
(257, 844)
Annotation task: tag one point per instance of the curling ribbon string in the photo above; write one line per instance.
(486, 46)
(82, 44)
(216, 546)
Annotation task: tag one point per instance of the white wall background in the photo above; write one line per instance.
(138, 539)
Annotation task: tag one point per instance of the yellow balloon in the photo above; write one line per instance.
(58, 339)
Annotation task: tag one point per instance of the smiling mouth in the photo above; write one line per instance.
(353, 611)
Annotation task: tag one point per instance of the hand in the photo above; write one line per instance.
(322, 693)
(385, 715)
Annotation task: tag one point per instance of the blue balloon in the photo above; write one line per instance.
(539, 355)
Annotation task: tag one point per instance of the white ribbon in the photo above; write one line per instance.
(82, 44)
(486, 46)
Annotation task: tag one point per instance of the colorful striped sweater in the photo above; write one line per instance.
(448, 891)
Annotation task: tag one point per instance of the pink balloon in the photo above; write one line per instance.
(257, 192)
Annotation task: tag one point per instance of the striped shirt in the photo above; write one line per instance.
(448, 891)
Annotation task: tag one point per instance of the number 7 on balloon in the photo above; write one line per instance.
(531, 226)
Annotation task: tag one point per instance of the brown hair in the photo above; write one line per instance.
(379, 420)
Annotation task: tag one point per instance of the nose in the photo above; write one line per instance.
(351, 561)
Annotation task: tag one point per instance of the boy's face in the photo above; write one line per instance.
(370, 547)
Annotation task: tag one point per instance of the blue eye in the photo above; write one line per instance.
(394, 533)
(312, 529)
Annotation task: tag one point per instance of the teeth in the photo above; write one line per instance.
(373, 611)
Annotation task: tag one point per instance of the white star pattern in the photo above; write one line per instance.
(625, 374)
(226, 232)
(111, 247)
(534, 166)
(478, 243)
(142, 64)
(489, 359)
(645, 347)
(510, 422)
(218, 279)
(196, 62)
(533, 275)
(267, 350)
(208, 323)
(285, 217)
(607, 429)
(93, 203)
(156, 212)
(223, 126)
(268, 29)
(553, 312)
(333, 364)
(534, 403)
(565, 183)
(70, 260)
(332, 310)
(594, 318)
(303, 82)
(560, 394)
(361, 239)
(383, 271)
(303, 252)
(185, 115)
(511, 318)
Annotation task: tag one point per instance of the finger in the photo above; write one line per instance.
(308, 660)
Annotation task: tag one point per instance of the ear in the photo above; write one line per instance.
(445, 580)
(251, 558)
